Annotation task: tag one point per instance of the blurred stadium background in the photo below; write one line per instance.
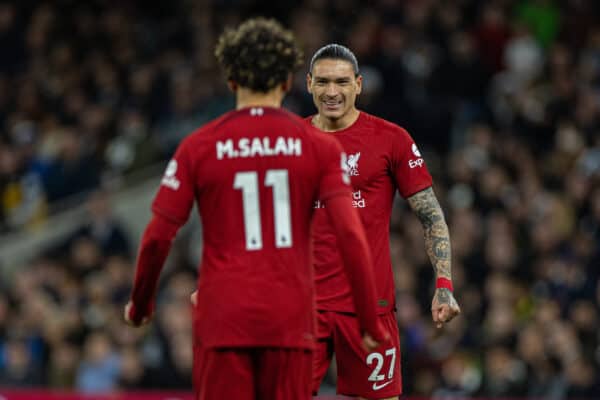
(503, 97)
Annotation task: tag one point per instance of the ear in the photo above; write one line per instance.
(233, 86)
(359, 84)
(286, 86)
(309, 82)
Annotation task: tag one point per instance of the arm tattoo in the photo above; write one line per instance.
(437, 239)
(444, 296)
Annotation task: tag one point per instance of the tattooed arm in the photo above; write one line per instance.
(437, 242)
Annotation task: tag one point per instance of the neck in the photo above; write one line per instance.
(332, 125)
(248, 98)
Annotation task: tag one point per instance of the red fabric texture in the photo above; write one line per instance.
(154, 248)
(255, 175)
(355, 368)
(444, 283)
(231, 373)
(381, 159)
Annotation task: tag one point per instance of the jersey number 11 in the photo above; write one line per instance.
(247, 182)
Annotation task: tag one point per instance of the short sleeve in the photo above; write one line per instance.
(408, 165)
(175, 196)
(334, 178)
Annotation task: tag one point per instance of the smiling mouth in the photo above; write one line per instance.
(332, 104)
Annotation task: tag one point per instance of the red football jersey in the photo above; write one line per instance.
(255, 174)
(381, 158)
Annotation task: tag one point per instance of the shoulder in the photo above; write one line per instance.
(205, 132)
(308, 120)
(387, 128)
(290, 117)
(324, 144)
(197, 142)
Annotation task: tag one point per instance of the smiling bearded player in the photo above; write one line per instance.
(382, 159)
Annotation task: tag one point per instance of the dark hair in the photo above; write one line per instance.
(337, 52)
(258, 55)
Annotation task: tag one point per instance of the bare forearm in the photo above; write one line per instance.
(437, 243)
(437, 238)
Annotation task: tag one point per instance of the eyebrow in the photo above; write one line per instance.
(325, 79)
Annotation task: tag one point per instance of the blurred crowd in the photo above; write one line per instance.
(502, 96)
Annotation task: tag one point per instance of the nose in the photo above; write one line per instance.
(331, 89)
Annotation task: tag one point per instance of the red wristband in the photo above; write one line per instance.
(444, 283)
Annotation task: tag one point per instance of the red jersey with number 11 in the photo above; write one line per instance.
(255, 174)
(381, 158)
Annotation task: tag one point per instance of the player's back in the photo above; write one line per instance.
(256, 174)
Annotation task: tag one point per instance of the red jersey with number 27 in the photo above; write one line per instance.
(255, 174)
(381, 158)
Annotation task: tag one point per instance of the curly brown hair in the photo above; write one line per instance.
(258, 55)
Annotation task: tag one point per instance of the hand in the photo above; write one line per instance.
(368, 343)
(443, 307)
(128, 319)
(194, 298)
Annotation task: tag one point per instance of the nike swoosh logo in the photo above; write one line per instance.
(377, 387)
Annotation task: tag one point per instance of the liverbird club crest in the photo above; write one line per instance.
(352, 164)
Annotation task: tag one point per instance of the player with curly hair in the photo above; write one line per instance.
(255, 174)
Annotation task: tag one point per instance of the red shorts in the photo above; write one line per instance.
(373, 375)
(252, 373)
